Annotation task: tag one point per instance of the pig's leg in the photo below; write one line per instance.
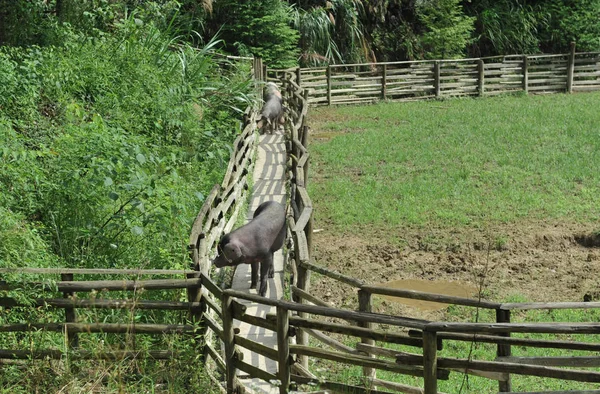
(253, 275)
(271, 267)
(265, 267)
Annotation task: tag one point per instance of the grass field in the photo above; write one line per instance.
(458, 162)
(398, 189)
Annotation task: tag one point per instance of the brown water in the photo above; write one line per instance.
(456, 289)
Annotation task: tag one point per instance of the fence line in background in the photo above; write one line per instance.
(427, 79)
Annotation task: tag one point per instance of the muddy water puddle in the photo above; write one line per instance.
(450, 288)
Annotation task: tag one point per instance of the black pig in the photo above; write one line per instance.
(255, 242)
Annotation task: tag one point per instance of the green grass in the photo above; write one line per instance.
(458, 162)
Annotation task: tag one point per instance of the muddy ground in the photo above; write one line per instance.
(535, 261)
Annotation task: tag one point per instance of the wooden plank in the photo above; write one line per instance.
(255, 372)
(105, 304)
(567, 361)
(512, 368)
(129, 285)
(524, 306)
(424, 296)
(335, 386)
(256, 347)
(85, 355)
(113, 328)
(495, 328)
(318, 335)
(333, 274)
(308, 297)
(378, 335)
(362, 361)
(94, 271)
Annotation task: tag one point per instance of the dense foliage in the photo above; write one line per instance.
(110, 143)
(314, 32)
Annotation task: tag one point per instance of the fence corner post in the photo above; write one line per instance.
(365, 305)
(571, 68)
(430, 362)
(283, 349)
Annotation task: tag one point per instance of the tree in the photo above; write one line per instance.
(447, 29)
(259, 28)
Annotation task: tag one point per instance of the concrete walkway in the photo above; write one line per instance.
(269, 184)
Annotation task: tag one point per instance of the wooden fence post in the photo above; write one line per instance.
(70, 316)
(298, 78)
(329, 85)
(301, 336)
(526, 74)
(430, 362)
(481, 77)
(228, 339)
(436, 79)
(364, 305)
(384, 82)
(283, 348)
(571, 69)
(264, 75)
(503, 316)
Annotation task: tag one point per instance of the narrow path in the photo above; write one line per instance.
(269, 184)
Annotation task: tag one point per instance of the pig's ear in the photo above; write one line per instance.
(233, 251)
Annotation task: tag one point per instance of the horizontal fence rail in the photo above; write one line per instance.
(419, 80)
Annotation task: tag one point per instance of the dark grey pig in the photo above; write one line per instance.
(272, 111)
(255, 242)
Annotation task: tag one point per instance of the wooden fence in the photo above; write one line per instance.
(363, 338)
(418, 80)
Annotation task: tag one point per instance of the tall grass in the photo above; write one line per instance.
(458, 162)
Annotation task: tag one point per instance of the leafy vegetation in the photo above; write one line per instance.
(112, 134)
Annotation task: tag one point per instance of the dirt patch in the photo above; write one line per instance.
(534, 261)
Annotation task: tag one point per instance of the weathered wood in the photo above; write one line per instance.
(113, 328)
(228, 340)
(429, 362)
(512, 368)
(524, 306)
(424, 296)
(86, 286)
(504, 349)
(537, 328)
(94, 271)
(216, 357)
(566, 361)
(333, 274)
(525, 74)
(335, 386)
(329, 85)
(571, 345)
(436, 77)
(255, 372)
(105, 304)
(480, 77)
(256, 347)
(364, 305)
(85, 354)
(198, 224)
(211, 286)
(304, 295)
(318, 335)
(213, 325)
(283, 348)
(362, 361)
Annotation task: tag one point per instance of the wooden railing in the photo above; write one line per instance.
(132, 282)
(418, 80)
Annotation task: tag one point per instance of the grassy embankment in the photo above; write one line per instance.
(456, 164)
